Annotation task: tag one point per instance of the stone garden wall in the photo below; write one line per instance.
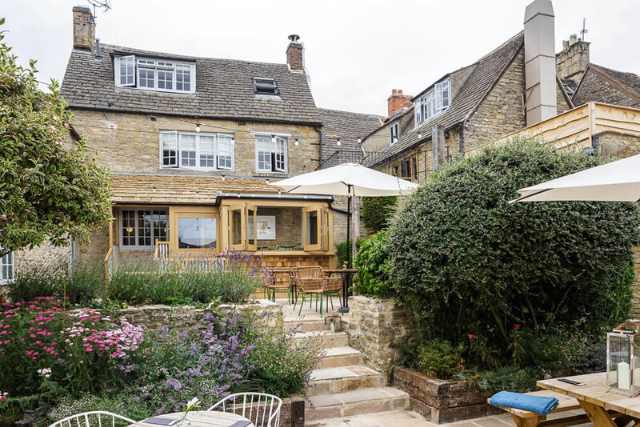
(375, 325)
(184, 317)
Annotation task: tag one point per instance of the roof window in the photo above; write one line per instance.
(265, 86)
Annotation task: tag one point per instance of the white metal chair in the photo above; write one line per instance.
(88, 419)
(262, 409)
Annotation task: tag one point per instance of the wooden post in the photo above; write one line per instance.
(437, 139)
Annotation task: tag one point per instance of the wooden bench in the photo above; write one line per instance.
(531, 419)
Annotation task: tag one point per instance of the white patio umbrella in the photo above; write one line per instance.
(617, 181)
(348, 179)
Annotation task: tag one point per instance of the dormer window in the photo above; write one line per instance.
(433, 102)
(155, 74)
(265, 86)
(394, 133)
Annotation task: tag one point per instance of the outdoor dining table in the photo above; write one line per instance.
(604, 406)
(203, 419)
(347, 279)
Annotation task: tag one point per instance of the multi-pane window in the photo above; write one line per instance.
(394, 133)
(271, 154)
(433, 102)
(154, 74)
(264, 86)
(6, 269)
(140, 227)
(196, 150)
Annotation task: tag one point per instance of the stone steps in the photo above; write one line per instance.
(345, 378)
(337, 357)
(356, 402)
(304, 325)
(326, 339)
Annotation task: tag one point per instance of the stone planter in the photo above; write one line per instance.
(442, 401)
(374, 326)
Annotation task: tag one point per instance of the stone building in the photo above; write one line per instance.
(513, 86)
(192, 145)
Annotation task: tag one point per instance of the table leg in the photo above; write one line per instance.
(597, 414)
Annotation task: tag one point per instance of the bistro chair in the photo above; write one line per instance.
(332, 288)
(280, 279)
(310, 281)
(94, 418)
(262, 409)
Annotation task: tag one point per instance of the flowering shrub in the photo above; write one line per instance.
(50, 357)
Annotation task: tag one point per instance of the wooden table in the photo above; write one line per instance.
(347, 278)
(603, 406)
(201, 419)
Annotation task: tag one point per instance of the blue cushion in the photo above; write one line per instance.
(538, 404)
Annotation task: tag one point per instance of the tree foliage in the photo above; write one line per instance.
(471, 264)
(49, 188)
(376, 212)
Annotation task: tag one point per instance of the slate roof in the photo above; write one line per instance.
(186, 189)
(224, 89)
(348, 127)
(591, 90)
(487, 70)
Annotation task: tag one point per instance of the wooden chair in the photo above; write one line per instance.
(263, 410)
(93, 418)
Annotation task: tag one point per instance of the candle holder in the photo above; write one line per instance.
(623, 366)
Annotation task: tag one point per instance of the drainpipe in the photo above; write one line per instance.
(460, 129)
(319, 130)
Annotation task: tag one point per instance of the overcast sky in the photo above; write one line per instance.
(356, 50)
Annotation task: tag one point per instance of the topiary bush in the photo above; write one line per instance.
(377, 211)
(372, 264)
(468, 262)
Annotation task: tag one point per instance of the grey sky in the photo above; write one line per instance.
(356, 51)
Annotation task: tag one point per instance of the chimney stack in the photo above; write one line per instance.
(295, 53)
(540, 62)
(572, 62)
(84, 30)
(397, 102)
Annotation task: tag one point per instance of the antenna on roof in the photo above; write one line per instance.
(101, 4)
(584, 30)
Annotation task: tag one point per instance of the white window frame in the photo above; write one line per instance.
(394, 132)
(135, 228)
(273, 141)
(432, 103)
(157, 65)
(217, 137)
(7, 261)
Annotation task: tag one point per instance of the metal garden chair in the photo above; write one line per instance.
(93, 418)
(262, 409)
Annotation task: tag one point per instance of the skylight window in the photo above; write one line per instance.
(152, 74)
(265, 86)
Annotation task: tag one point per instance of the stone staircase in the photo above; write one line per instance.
(342, 386)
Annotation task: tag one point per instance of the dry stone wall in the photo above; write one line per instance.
(375, 325)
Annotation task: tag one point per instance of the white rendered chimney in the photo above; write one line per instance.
(540, 62)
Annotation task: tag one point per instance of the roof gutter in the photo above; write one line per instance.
(287, 196)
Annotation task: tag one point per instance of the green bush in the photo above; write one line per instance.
(341, 252)
(377, 211)
(372, 264)
(80, 284)
(439, 359)
(232, 278)
(468, 262)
